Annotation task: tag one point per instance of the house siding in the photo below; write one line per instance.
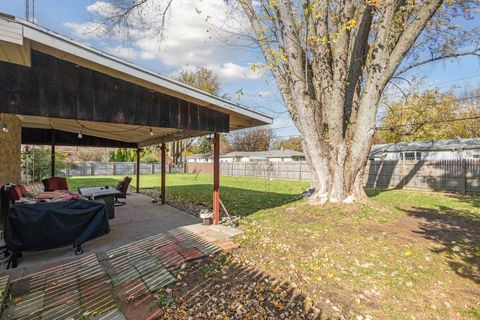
(10, 145)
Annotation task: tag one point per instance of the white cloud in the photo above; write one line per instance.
(87, 30)
(101, 8)
(123, 52)
(190, 39)
(232, 71)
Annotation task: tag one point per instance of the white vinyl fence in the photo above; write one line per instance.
(442, 175)
(117, 168)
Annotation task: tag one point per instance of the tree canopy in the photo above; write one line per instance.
(292, 143)
(430, 116)
(255, 139)
(201, 78)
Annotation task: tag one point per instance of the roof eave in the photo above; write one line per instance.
(52, 39)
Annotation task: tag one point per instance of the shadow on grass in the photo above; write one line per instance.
(239, 201)
(458, 233)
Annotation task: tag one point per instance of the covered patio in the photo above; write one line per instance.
(56, 91)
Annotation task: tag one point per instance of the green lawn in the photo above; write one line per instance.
(402, 255)
(240, 195)
(249, 195)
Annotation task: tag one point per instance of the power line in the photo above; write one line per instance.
(428, 122)
(408, 124)
(434, 104)
(440, 84)
(289, 135)
(285, 127)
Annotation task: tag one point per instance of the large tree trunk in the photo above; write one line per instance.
(337, 179)
(337, 165)
(331, 67)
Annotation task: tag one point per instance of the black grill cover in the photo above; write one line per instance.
(43, 226)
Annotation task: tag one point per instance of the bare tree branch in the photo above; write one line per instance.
(475, 52)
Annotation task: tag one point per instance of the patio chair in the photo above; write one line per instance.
(55, 183)
(122, 186)
(16, 193)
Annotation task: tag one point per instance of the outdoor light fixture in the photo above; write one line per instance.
(151, 132)
(80, 133)
(4, 127)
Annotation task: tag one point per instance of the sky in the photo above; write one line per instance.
(190, 41)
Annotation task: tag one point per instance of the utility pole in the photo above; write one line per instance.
(30, 10)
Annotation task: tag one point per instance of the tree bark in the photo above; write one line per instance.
(333, 69)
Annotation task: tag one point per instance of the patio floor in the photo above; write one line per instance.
(117, 276)
(139, 219)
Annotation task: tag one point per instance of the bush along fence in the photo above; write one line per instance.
(118, 168)
(440, 175)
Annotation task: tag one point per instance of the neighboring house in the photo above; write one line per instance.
(272, 156)
(200, 158)
(428, 150)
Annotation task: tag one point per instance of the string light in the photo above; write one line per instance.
(80, 133)
(151, 132)
(4, 128)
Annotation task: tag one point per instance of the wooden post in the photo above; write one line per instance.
(162, 195)
(216, 179)
(138, 170)
(52, 156)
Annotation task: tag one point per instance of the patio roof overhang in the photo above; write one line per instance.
(52, 82)
(59, 88)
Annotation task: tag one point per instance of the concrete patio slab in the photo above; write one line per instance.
(231, 232)
(112, 282)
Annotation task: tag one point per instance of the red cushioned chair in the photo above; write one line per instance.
(55, 183)
(23, 189)
(122, 186)
(15, 194)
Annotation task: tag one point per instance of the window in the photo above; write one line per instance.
(476, 156)
(409, 155)
(418, 155)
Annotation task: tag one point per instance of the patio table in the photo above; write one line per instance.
(107, 194)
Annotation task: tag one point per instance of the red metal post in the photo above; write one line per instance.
(52, 156)
(216, 179)
(162, 195)
(138, 170)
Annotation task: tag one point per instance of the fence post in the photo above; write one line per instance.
(464, 175)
